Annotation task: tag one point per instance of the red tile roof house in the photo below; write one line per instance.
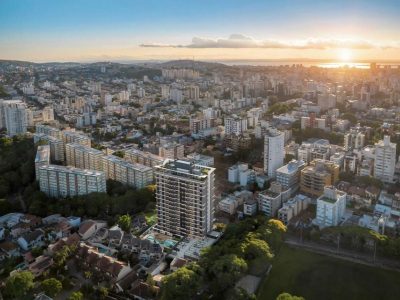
(105, 266)
(89, 228)
(72, 240)
(9, 249)
(40, 265)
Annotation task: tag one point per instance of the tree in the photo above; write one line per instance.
(19, 284)
(125, 222)
(287, 296)
(103, 292)
(76, 296)
(119, 153)
(255, 248)
(51, 287)
(180, 285)
(288, 158)
(226, 271)
(240, 294)
(88, 274)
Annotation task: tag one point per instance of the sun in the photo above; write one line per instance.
(345, 54)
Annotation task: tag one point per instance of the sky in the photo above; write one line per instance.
(112, 30)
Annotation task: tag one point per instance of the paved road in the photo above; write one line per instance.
(356, 257)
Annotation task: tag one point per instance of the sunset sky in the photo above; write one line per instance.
(88, 30)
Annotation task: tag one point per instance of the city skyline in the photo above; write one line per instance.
(343, 31)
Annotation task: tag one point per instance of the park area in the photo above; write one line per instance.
(316, 277)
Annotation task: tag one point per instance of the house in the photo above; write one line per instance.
(144, 291)
(89, 228)
(10, 249)
(145, 249)
(177, 263)
(31, 239)
(74, 221)
(40, 265)
(33, 221)
(108, 267)
(69, 241)
(115, 235)
(11, 219)
(19, 229)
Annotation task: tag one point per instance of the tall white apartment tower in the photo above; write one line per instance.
(185, 198)
(274, 151)
(385, 160)
(14, 116)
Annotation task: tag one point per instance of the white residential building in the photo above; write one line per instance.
(57, 151)
(131, 174)
(42, 158)
(235, 125)
(75, 137)
(331, 207)
(83, 157)
(274, 152)
(289, 175)
(293, 207)
(385, 160)
(185, 198)
(13, 115)
(142, 157)
(48, 130)
(60, 181)
(269, 201)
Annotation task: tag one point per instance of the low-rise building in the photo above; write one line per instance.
(293, 207)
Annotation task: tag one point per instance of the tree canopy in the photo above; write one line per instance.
(19, 284)
(52, 287)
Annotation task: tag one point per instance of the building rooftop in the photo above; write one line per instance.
(43, 154)
(71, 170)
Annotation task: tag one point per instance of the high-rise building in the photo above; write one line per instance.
(317, 175)
(83, 157)
(172, 151)
(60, 181)
(274, 151)
(326, 101)
(143, 158)
(185, 198)
(13, 114)
(331, 207)
(385, 160)
(75, 137)
(48, 130)
(235, 125)
(57, 151)
(42, 158)
(289, 175)
(354, 140)
(132, 174)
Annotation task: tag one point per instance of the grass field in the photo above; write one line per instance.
(317, 277)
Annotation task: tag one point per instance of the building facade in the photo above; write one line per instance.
(59, 181)
(185, 198)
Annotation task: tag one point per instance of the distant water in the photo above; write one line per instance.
(321, 64)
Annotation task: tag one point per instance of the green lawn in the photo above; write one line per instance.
(317, 277)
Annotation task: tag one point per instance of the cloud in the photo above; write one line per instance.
(242, 41)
